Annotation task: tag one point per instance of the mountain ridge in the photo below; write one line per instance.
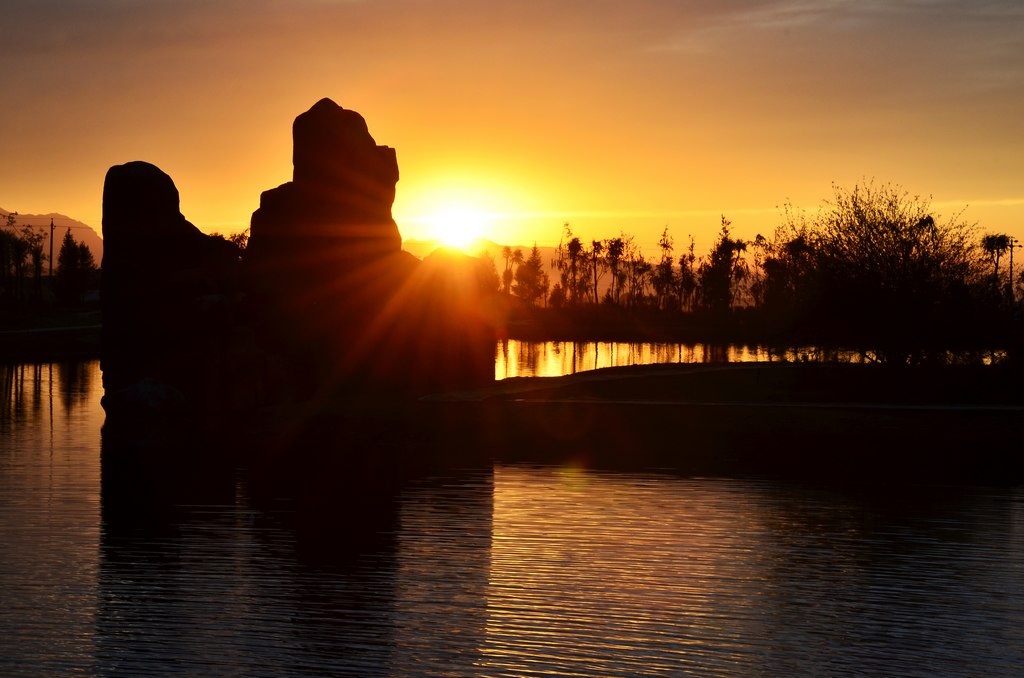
(80, 231)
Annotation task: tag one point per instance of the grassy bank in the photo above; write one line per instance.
(856, 423)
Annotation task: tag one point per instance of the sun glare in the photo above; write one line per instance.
(457, 212)
(457, 226)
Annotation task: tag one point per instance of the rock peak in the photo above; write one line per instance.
(330, 141)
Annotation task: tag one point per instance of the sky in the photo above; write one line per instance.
(612, 115)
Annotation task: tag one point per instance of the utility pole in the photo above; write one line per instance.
(51, 252)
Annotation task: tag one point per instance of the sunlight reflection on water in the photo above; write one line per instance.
(517, 358)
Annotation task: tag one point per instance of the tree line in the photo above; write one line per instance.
(22, 263)
(874, 263)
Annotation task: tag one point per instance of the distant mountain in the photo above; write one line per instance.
(422, 248)
(80, 231)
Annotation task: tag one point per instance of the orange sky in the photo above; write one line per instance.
(612, 115)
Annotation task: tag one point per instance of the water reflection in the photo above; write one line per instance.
(515, 358)
(49, 522)
(510, 570)
(627, 574)
(28, 389)
(75, 379)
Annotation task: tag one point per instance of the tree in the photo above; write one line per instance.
(240, 239)
(723, 269)
(596, 264)
(17, 248)
(34, 240)
(875, 266)
(86, 262)
(614, 248)
(569, 260)
(512, 258)
(517, 258)
(687, 278)
(995, 246)
(75, 267)
(531, 279)
(664, 278)
(637, 274)
(882, 255)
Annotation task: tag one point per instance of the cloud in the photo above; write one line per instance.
(943, 20)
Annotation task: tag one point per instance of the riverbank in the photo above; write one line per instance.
(777, 382)
(52, 334)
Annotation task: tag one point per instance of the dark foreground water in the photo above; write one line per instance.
(507, 571)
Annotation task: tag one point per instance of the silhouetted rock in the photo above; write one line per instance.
(338, 296)
(323, 302)
(336, 212)
(164, 288)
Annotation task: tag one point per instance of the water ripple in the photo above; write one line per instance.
(516, 571)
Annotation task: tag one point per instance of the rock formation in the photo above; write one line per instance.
(322, 303)
(345, 303)
(164, 288)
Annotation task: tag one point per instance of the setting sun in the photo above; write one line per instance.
(455, 212)
(457, 226)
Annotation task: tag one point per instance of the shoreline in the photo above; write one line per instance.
(64, 334)
(857, 423)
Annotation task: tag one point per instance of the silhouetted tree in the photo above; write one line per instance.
(785, 283)
(880, 267)
(687, 283)
(512, 258)
(35, 241)
(86, 262)
(506, 274)
(723, 269)
(531, 279)
(75, 268)
(614, 248)
(663, 277)
(638, 274)
(239, 239)
(19, 247)
(569, 260)
(995, 246)
(596, 264)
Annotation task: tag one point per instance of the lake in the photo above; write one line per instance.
(510, 570)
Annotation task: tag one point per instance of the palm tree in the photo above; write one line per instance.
(596, 248)
(512, 258)
(995, 246)
(613, 251)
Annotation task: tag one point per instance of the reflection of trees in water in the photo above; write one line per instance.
(24, 387)
(28, 389)
(516, 358)
(74, 381)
